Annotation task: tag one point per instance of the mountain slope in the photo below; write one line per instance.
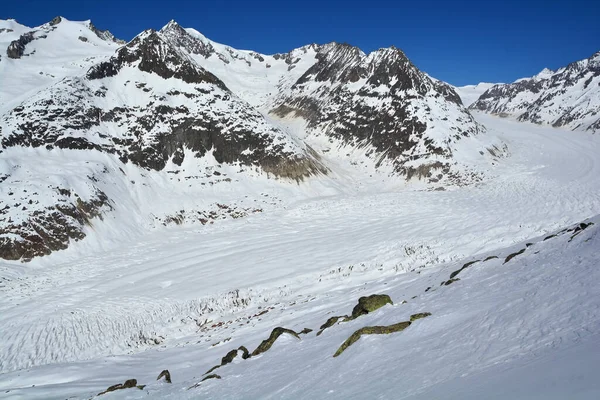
(339, 99)
(150, 105)
(568, 97)
(33, 58)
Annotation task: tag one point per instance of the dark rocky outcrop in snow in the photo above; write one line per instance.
(371, 330)
(165, 374)
(128, 384)
(370, 303)
(16, 48)
(267, 343)
(50, 229)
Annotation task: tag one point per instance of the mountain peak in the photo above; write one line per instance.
(152, 52)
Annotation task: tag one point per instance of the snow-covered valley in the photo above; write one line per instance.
(172, 202)
(78, 321)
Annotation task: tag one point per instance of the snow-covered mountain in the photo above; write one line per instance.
(379, 102)
(95, 113)
(568, 97)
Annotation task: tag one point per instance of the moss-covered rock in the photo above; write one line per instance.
(370, 303)
(229, 357)
(165, 374)
(329, 323)
(267, 343)
(417, 316)
(371, 330)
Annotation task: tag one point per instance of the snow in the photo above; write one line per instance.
(470, 93)
(52, 56)
(151, 298)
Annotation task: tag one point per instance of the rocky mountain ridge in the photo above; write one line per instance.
(568, 97)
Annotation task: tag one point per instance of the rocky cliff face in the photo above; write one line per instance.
(568, 97)
(380, 100)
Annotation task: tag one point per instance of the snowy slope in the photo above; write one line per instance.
(148, 105)
(469, 94)
(52, 51)
(568, 97)
(182, 298)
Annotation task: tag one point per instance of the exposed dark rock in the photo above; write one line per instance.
(267, 343)
(465, 266)
(513, 255)
(154, 55)
(105, 35)
(213, 376)
(371, 330)
(178, 36)
(546, 98)
(52, 229)
(451, 281)
(490, 258)
(580, 228)
(165, 374)
(369, 304)
(16, 48)
(329, 323)
(417, 316)
(130, 383)
(386, 122)
(55, 21)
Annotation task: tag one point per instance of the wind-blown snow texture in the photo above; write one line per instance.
(568, 97)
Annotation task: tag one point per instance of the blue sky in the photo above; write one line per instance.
(461, 42)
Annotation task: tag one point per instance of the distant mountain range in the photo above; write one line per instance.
(568, 97)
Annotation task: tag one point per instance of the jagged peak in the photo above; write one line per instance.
(103, 34)
(152, 52)
(172, 25)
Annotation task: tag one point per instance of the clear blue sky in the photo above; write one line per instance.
(461, 42)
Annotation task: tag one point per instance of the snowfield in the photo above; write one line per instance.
(179, 298)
